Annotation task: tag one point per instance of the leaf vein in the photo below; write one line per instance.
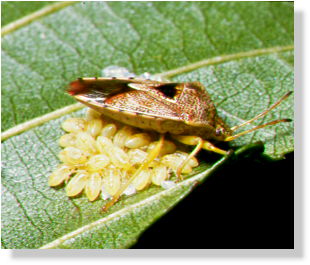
(23, 209)
(34, 16)
(66, 43)
(211, 61)
(222, 59)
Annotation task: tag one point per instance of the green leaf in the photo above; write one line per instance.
(15, 10)
(241, 51)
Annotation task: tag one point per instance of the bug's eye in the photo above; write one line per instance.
(219, 131)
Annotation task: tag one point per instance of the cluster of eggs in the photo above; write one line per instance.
(100, 155)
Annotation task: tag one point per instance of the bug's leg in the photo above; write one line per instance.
(151, 156)
(200, 144)
(192, 154)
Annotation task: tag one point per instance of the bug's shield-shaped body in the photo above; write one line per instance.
(177, 108)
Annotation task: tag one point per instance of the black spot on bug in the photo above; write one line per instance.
(131, 77)
(169, 90)
(113, 77)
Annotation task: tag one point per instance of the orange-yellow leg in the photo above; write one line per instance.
(151, 156)
(200, 144)
(192, 154)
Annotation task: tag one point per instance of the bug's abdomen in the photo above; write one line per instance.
(157, 124)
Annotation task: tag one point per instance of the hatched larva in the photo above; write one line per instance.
(77, 183)
(168, 147)
(61, 174)
(86, 142)
(111, 180)
(142, 180)
(72, 156)
(159, 174)
(74, 125)
(97, 162)
(138, 140)
(121, 136)
(68, 139)
(108, 130)
(94, 127)
(93, 186)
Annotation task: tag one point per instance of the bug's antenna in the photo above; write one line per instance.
(261, 115)
(233, 137)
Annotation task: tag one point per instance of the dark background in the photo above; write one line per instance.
(248, 204)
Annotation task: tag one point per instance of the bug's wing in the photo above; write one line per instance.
(144, 97)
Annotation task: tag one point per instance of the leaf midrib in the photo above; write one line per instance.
(13, 26)
(18, 129)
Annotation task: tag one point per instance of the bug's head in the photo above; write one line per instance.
(222, 131)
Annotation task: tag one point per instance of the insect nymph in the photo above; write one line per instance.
(184, 110)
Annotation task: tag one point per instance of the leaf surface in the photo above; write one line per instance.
(242, 52)
(15, 10)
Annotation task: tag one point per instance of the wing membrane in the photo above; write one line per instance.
(145, 97)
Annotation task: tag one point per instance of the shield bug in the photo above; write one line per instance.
(184, 110)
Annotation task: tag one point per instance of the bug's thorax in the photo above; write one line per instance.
(201, 113)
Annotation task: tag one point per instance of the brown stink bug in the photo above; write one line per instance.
(185, 110)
